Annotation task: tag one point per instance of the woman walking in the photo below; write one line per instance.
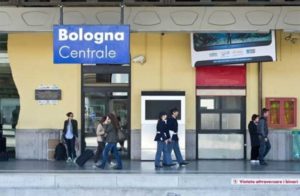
(252, 127)
(162, 140)
(111, 127)
(100, 132)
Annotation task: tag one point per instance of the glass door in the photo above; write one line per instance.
(105, 89)
(99, 104)
(221, 127)
(9, 99)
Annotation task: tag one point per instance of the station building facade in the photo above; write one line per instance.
(219, 100)
(167, 67)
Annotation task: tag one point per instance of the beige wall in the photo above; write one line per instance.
(30, 56)
(168, 67)
(280, 78)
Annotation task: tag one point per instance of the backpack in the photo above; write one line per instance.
(60, 152)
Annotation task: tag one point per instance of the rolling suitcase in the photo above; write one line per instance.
(84, 157)
(2, 144)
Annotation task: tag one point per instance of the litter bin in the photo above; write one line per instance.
(296, 144)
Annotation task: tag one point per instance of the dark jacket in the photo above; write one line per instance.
(173, 126)
(252, 127)
(74, 128)
(262, 127)
(161, 131)
(112, 133)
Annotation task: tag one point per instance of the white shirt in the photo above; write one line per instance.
(69, 134)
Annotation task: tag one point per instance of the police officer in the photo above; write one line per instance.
(173, 128)
(162, 140)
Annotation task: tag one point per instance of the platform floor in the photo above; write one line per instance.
(139, 167)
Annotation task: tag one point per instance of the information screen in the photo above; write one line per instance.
(154, 107)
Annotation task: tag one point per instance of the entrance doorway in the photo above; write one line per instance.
(9, 99)
(105, 89)
(221, 131)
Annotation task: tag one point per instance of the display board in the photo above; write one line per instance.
(232, 48)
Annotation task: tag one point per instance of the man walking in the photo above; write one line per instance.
(174, 145)
(263, 131)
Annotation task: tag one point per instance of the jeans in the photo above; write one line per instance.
(71, 147)
(113, 148)
(162, 147)
(264, 148)
(174, 145)
(99, 152)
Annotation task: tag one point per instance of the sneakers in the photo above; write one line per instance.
(100, 166)
(169, 165)
(112, 164)
(263, 163)
(117, 167)
(184, 163)
(254, 162)
(69, 160)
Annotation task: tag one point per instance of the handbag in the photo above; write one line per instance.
(121, 135)
(103, 136)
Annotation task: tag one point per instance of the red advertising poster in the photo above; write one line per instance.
(221, 76)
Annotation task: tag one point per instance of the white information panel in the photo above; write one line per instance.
(151, 106)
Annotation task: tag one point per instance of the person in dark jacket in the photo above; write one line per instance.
(70, 134)
(111, 127)
(263, 131)
(252, 127)
(173, 127)
(162, 140)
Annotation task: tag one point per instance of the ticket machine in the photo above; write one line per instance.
(152, 103)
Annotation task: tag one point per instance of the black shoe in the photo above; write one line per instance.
(158, 166)
(117, 168)
(100, 166)
(263, 163)
(169, 165)
(183, 163)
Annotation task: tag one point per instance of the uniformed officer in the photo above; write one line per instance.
(173, 128)
(162, 140)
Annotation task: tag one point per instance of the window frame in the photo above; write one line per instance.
(220, 110)
(282, 100)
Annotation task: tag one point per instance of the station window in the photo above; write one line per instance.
(95, 79)
(283, 112)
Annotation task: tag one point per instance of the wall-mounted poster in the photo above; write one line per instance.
(232, 48)
(48, 94)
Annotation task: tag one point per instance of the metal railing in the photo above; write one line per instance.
(48, 3)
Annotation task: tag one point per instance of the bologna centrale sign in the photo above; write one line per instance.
(91, 44)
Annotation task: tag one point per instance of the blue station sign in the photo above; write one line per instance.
(91, 44)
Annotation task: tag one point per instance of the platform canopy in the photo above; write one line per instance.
(156, 19)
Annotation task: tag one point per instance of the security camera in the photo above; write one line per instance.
(139, 59)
